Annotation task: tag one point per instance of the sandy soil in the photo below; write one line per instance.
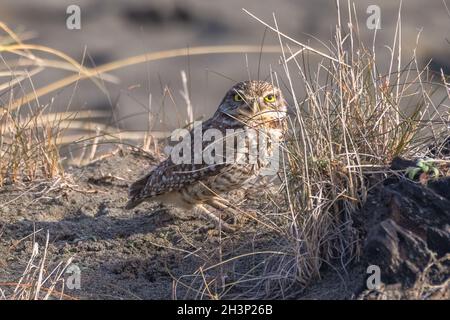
(148, 253)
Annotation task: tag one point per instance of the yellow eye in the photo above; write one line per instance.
(270, 98)
(237, 97)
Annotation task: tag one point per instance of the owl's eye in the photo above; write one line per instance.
(270, 98)
(237, 97)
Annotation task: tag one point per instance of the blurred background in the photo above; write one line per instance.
(112, 30)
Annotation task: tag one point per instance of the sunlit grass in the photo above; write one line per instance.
(344, 132)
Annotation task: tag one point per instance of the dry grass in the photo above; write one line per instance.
(353, 120)
(38, 281)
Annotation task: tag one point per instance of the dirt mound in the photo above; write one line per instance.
(408, 237)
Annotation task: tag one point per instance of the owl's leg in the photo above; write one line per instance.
(222, 205)
(239, 216)
(217, 220)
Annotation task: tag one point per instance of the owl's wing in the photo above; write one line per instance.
(169, 176)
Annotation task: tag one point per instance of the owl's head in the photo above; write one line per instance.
(254, 102)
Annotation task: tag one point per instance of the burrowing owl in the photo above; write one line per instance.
(255, 107)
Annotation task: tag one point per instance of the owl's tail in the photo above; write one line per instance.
(133, 203)
(135, 193)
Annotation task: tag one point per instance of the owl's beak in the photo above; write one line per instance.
(255, 106)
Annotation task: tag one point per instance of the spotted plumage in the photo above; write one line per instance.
(249, 106)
